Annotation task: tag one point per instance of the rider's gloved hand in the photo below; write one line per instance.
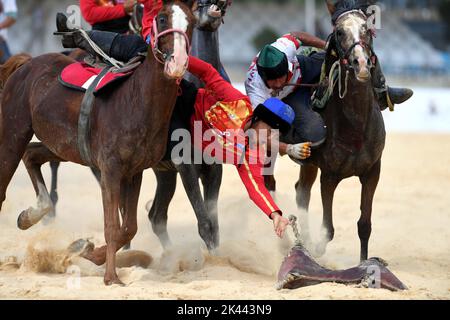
(299, 151)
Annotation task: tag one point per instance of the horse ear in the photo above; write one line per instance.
(331, 5)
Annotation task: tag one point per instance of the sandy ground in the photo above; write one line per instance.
(410, 230)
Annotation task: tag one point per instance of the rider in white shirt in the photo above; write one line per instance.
(278, 70)
(8, 16)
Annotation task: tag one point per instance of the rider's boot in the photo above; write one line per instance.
(318, 100)
(387, 96)
(118, 46)
(74, 38)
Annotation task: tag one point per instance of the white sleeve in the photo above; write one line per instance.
(10, 8)
(255, 88)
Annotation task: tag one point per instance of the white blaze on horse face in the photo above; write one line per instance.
(352, 26)
(176, 66)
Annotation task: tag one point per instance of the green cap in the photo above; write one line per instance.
(270, 57)
(272, 63)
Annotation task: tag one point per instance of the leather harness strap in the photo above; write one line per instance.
(84, 120)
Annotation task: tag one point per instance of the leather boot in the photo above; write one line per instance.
(74, 38)
(388, 97)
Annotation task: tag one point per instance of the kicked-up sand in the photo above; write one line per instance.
(411, 220)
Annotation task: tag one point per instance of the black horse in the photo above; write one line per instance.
(205, 45)
(355, 127)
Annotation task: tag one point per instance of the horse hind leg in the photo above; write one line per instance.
(207, 223)
(35, 156)
(15, 134)
(211, 176)
(165, 189)
(54, 167)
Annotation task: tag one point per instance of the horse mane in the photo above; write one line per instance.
(11, 65)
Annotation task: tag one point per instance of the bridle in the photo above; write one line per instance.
(344, 55)
(160, 56)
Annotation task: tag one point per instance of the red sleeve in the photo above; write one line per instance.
(222, 90)
(151, 9)
(254, 183)
(94, 13)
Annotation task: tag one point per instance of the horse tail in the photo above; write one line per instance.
(11, 65)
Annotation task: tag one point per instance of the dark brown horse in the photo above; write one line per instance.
(205, 45)
(128, 127)
(356, 133)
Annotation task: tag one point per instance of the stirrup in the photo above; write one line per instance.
(64, 33)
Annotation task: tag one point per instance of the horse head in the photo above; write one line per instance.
(172, 34)
(210, 13)
(353, 43)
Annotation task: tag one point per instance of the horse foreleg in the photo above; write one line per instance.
(35, 156)
(369, 183)
(329, 184)
(165, 189)
(211, 181)
(117, 235)
(207, 225)
(308, 175)
(111, 189)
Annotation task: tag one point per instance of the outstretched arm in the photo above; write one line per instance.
(309, 40)
(250, 175)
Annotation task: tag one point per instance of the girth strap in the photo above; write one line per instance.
(84, 120)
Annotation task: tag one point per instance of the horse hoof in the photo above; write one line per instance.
(23, 221)
(381, 261)
(80, 247)
(115, 281)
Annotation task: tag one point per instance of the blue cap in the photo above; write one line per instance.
(275, 113)
(281, 109)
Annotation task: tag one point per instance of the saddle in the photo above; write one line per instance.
(93, 77)
(81, 75)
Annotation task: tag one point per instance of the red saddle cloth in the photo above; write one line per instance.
(79, 76)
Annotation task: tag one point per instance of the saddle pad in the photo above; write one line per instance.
(79, 76)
